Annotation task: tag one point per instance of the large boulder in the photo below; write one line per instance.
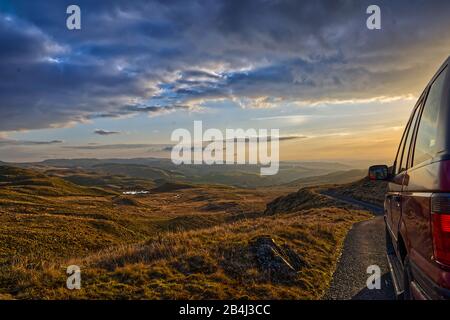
(280, 261)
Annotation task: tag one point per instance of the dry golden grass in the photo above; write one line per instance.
(194, 243)
(213, 263)
(45, 219)
(364, 190)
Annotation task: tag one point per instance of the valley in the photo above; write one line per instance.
(183, 239)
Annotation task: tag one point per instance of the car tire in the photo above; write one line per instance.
(407, 294)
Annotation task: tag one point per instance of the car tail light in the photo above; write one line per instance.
(440, 223)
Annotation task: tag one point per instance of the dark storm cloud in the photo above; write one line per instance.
(154, 109)
(285, 138)
(11, 142)
(123, 146)
(119, 146)
(135, 109)
(156, 57)
(269, 138)
(102, 132)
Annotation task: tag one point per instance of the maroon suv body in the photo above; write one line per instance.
(417, 203)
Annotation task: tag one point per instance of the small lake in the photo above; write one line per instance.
(136, 192)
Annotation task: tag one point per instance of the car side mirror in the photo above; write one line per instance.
(379, 172)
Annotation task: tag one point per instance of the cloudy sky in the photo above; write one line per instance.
(137, 70)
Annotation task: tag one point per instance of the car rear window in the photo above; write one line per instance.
(427, 135)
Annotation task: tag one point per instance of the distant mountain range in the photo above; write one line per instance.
(338, 177)
(155, 169)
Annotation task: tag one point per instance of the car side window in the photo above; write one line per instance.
(400, 152)
(427, 134)
(409, 136)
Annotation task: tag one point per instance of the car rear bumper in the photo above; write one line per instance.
(424, 288)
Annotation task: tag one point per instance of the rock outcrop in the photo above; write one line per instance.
(301, 200)
(280, 261)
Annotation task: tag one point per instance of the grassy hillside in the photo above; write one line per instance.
(25, 181)
(44, 218)
(338, 177)
(303, 199)
(137, 171)
(180, 241)
(247, 176)
(92, 178)
(278, 257)
(365, 190)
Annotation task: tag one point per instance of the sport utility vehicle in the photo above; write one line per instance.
(417, 202)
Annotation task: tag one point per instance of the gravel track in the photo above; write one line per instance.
(363, 246)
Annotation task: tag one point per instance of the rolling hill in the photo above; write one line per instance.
(364, 190)
(180, 241)
(247, 176)
(337, 177)
(14, 179)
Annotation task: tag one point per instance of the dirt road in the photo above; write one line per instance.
(364, 246)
